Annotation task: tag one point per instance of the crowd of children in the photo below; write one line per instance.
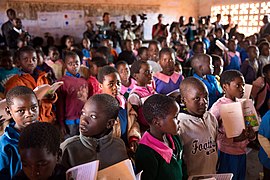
(155, 103)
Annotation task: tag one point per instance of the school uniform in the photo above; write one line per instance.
(213, 87)
(10, 160)
(249, 69)
(80, 149)
(46, 113)
(234, 61)
(126, 90)
(68, 105)
(232, 157)
(166, 84)
(159, 161)
(198, 136)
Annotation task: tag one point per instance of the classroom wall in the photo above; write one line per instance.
(34, 13)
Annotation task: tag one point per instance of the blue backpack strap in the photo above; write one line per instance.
(123, 118)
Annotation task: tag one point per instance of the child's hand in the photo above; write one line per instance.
(82, 94)
(241, 137)
(250, 133)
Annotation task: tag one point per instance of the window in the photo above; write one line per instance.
(248, 16)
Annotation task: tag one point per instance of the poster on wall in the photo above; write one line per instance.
(50, 20)
(73, 18)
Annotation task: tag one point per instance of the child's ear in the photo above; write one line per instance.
(8, 111)
(100, 85)
(224, 87)
(110, 123)
(156, 122)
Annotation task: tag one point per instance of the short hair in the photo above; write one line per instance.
(106, 70)
(69, 54)
(193, 82)
(136, 66)
(110, 104)
(228, 76)
(40, 135)
(120, 63)
(141, 50)
(266, 69)
(216, 58)
(198, 60)
(253, 46)
(262, 44)
(99, 61)
(157, 106)
(105, 14)
(10, 10)
(52, 48)
(196, 44)
(103, 50)
(25, 49)
(18, 91)
(165, 51)
(154, 42)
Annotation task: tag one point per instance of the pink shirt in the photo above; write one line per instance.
(226, 144)
(125, 89)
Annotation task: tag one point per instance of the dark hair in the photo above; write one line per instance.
(153, 43)
(136, 66)
(52, 48)
(141, 50)
(105, 71)
(99, 61)
(216, 58)
(69, 54)
(18, 91)
(103, 50)
(196, 44)
(38, 51)
(25, 49)
(10, 10)
(228, 76)
(262, 44)
(190, 81)
(105, 14)
(157, 106)
(266, 69)
(40, 135)
(120, 63)
(109, 103)
(165, 51)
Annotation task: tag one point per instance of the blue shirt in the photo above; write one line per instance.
(10, 160)
(5, 75)
(264, 130)
(214, 90)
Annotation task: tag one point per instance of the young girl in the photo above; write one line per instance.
(159, 153)
(86, 51)
(232, 157)
(250, 66)
(264, 57)
(234, 60)
(167, 80)
(127, 83)
(142, 73)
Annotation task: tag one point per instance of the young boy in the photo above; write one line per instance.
(70, 100)
(167, 80)
(198, 129)
(23, 108)
(39, 148)
(55, 62)
(159, 153)
(96, 141)
(126, 127)
(232, 151)
(202, 65)
(31, 77)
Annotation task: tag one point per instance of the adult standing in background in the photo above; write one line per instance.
(8, 26)
(159, 29)
(265, 29)
(217, 24)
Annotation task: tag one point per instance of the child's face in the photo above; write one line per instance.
(200, 49)
(38, 163)
(86, 44)
(218, 67)
(40, 59)
(170, 123)
(167, 61)
(124, 72)
(111, 84)
(235, 89)
(144, 56)
(207, 67)
(24, 110)
(93, 120)
(144, 76)
(218, 34)
(253, 53)
(196, 100)
(129, 46)
(69, 42)
(54, 55)
(73, 65)
(153, 52)
(28, 61)
(137, 45)
(7, 63)
(232, 46)
(93, 69)
(265, 50)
